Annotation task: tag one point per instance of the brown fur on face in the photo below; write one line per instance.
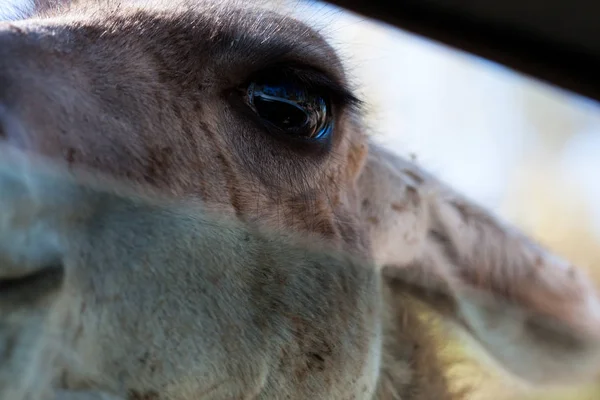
(168, 110)
(237, 262)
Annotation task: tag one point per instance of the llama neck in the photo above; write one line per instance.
(411, 368)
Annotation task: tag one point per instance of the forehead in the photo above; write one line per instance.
(220, 29)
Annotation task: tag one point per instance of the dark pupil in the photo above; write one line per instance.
(289, 107)
(280, 114)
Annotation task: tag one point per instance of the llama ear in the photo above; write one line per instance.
(536, 315)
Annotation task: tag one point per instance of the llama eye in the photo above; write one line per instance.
(292, 108)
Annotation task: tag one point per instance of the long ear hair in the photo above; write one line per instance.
(535, 314)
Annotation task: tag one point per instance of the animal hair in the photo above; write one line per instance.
(161, 240)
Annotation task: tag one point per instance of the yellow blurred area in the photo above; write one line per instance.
(521, 148)
(551, 209)
(555, 214)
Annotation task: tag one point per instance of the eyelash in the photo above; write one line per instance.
(314, 80)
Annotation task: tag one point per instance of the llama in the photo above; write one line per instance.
(190, 208)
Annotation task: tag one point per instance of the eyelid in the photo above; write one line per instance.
(317, 80)
(252, 91)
